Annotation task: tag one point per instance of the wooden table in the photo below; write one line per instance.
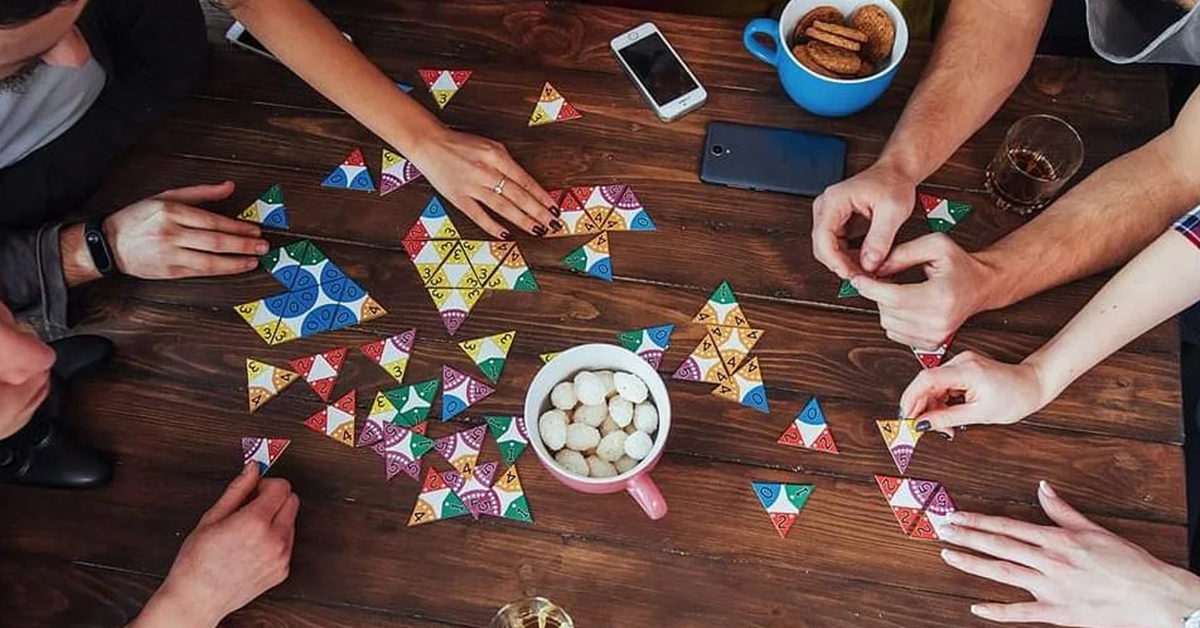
(172, 406)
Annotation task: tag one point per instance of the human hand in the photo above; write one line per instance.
(1079, 573)
(166, 237)
(923, 315)
(466, 170)
(993, 392)
(237, 552)
(882, 196)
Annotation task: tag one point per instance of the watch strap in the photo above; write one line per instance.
(97, 245)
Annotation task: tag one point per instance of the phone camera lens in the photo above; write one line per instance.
(718, 150)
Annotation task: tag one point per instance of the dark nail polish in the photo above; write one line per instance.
(504, 235)
(556, 226)
(923, 426)
(556, 211)
(539, 231)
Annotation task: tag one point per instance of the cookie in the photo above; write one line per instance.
(801, 54)
(824, 13)
(833, 40)
(833, 58)
(881, 32)
(840, 30)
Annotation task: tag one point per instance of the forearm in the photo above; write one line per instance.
(984, 49)
(1136, 299)
(311, 46)
(164, 609)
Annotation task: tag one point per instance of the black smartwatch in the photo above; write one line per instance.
(93, 236)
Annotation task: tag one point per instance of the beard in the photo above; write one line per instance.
(19, 80)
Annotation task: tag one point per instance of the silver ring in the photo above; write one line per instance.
(499, 189)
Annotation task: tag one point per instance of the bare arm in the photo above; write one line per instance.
(984, 49)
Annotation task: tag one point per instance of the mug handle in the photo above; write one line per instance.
(765, 26)
(645, 492)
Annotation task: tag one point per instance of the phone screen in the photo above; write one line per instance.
(658, 69)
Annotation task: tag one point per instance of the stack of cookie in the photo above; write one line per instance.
(826, 43)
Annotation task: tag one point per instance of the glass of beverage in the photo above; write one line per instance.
(1039, 155)
(533, 612)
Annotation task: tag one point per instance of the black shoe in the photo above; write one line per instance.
(79, 353)
(43, 454)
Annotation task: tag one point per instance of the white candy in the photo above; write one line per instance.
(625, 463)
(553, 427)
(582, 437)
(591, 415)
(610, 387)
(600, 468)
(589, 388)
(645, 418)
(563, 396)
(620, 410)
(631, 387)
(612, 447)
(573, 462)
(608, 427)
(637, 446)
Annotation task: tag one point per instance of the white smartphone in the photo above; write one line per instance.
(240, 37)
(664, 80)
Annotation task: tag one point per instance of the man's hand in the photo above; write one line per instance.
(166, 237)
(957, 285)
(237, 552)
(882, 196)
(1079, 573)
(993, 392)
(466, 170)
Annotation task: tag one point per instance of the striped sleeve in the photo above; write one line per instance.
(1189, 226)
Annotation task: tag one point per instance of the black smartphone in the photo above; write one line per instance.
(772, 159)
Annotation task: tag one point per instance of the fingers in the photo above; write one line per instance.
(196, 194)
(531, 197)
(195, 218)
(885, 293)
(931, 386)
(996, 570)
(828, 246)
(923, 250)
(190, 263)
(997, 545)
(1022, 531)
(509, 210)
(885, 222)
(234, 496)
(1031, 612)
(1060, 511)
(219, 242)
(285, 519)
(272, 494)
(481, 217)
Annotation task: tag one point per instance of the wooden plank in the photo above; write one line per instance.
(805, 350)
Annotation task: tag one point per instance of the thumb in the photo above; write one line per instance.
(923, 250)
(885, 222)
(1060, 512)
(946, 418)
(196, 194)
(235, 495)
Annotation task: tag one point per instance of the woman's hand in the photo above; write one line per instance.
(993, 392)
(467, 169)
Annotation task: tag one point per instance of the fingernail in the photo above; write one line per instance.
(870, 258)
(949, 556)
(958, 518)
(948, 532)
(1048, 490)
(556, 226)
(979, 609)
(556, 211)
(261, 247)
(539, 231)
(923, 426)
(504, 235)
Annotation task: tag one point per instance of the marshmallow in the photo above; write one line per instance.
(573, 462)
(582, 437)
(552, 426)
(589, 388)
(630, 387)
(637, 445)
(612, 447)
(591, 415)
(645, 418)
(600, 468)
(620, 410)
(563, 396)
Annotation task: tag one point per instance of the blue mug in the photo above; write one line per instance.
(822, 95)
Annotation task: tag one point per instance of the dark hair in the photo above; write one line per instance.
(19, 12)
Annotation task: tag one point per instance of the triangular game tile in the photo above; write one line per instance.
(900, 436)
(552, 107)
(722, 309)
(433, 224)
(392, 354)
(321, 370)
(649, 343)
(461, 449)
(436, 501)
(444, 84)
(746, 387)
(460, 391)
(454, 305)
(942, 214)
(809, 429)
(593, 258)
(932, 359)
(268, 210)
(629, 215)
(402, 449)
(734, 345)
(782, 502)
(510, 436)
(489, 353)
(395, 171)
(264, 451)
(704, 364)
(510, 497)
(546, 357)
(351, 174)
(264, 381)
(335, 421)
(846, 290)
